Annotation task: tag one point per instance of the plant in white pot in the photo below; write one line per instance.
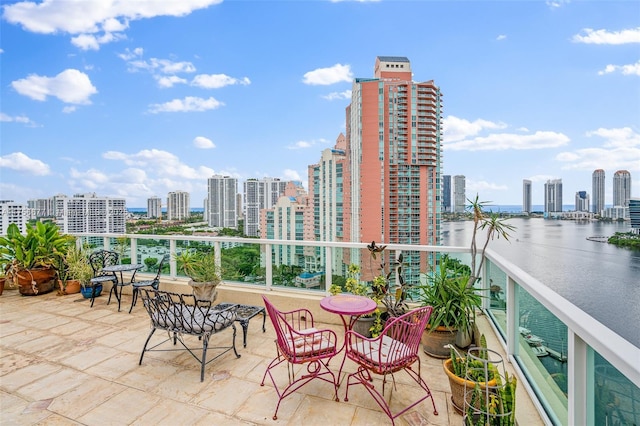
(203, 270)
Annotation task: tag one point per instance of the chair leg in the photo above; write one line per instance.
(153, 330)
(134, 298)
(93, 295)
(205, 343)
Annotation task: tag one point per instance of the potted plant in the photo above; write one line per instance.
(454, 305)
(203, 270)
(31, 259)
(364, 325)
(79, 271)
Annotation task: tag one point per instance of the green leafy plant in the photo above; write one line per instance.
(77, 265)
(200, 266)
(41, 247)
(388, 286)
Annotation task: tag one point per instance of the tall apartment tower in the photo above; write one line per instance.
(222, 204)
(597, 191)
(12, 212)
(582, 201)
(393, 133)
(459, 194)
(446, 193)
(154, 207)
(553, 196)
(621, 188)
(178, 205)
(526, 196)
(258, 195)
(42, 207)
(92, 214)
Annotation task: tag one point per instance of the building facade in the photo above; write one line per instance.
(634, 214)
(582, 201)
(459, 194)
(222, 210)
(259, 194)
(597, 191)
(526, 196)
(446, 193)
(12, 212)
(178, 205)
(154, 208)
(92, 214)
(553, 196)
(393, 135)
(621, 188)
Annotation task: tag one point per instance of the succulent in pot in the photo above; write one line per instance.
(78, 267)
(202, 267)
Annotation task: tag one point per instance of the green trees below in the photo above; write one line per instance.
(625, 239)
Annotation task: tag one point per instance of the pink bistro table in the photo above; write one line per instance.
(347, 305)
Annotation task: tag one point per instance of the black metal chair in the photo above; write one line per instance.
(153, 283)
(98, 260)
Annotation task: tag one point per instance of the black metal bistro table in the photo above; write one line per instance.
(119, 269)
(244, 314)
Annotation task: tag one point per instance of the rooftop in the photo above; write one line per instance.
(63, 362)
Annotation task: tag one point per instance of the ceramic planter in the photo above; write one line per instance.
(459, 385)
(207, 291)
(434, 341)
(32, 282)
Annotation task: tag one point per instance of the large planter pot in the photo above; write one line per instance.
(434, 341)
(458, 386)
(88, 291)
(363, 326)
(206, 291)
(2, 281)
(32, 282)
(72, 287)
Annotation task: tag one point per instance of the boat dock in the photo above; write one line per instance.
(557, 355)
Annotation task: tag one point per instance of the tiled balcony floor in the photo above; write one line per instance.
(64, 363)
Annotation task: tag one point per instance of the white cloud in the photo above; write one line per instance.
(620, 150)
(338, 95)
(289, 174)
(458, 128)
(22, 163)
(203, 143)
(326, 76)
(69, 109)
(93, 22)
(169, 81)
(17, 119)
(70, 86)
(631, 69)
(591, 36)
(555, 4)
(188, 104)
(504, 141)
(472, 186)
(216, 81)
(307, 144)
(163, 66)
(131, 54)
(163, 163)
(501, 37)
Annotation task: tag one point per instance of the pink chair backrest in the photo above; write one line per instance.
(279, 323)
(405, 332)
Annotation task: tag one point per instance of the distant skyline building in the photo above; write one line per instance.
(91, 214)
(526, 196)
(178, 205)
(553, 196)
(42, 207)
(597, 191)
(12, 212)
(634, 214)
(393, 134)
(446, 193)
(154, 207)
(459, 194)
(621, 188)
(582, 201)
(222, 204)
(259, 194)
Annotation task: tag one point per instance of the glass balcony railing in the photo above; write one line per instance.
(575, 369)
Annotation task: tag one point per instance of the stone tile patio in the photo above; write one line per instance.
(65, 363)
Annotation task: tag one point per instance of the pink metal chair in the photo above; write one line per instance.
(299, 342)
(395, 349)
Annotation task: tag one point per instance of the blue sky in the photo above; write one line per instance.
(136, 99)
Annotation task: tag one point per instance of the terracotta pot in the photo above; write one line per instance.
(459, 386)
(32, 282)
(72, 287)
(2, 281)
(434, 341)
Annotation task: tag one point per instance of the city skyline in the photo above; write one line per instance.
(108, 101)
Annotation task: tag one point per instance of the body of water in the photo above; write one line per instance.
(600, 278)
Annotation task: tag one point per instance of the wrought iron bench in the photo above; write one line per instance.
(183, 314)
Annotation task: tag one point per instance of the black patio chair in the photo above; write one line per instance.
(98, 260)
(153, 283)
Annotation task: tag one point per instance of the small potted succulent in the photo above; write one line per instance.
(203, 270)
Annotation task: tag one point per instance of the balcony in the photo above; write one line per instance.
(63, 361)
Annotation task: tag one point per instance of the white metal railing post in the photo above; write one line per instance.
(217, 250)
(106, 243)
(268, 272)
(328, 269)
(173, 269)
(134, 250)
(513, 316)
(576, 379)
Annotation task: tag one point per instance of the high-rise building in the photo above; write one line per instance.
(11, 212)
(92, 214)
(597, 191)
(178, 205)
(621, 188)
(259, 194)
(154, 207)
(392, 184)
(42, 207)
(459, 194)
(446, 193)
(222, 208)
(553, 196)
(582, 201)
(526, 196)
(634, 214)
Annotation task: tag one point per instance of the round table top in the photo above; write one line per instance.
(122, 267)
(348, 304)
